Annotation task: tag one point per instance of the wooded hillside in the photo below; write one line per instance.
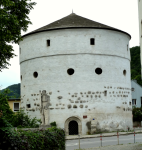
(135, 64)
(15, 90)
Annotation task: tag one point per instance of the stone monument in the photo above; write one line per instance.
(44, 109)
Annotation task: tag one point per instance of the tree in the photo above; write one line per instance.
(6, 112)
(135, 64)
(13, 19)
(9, 119)
(137, 114)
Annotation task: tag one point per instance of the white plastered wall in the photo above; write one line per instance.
(70, 48)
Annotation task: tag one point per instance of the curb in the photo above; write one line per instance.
(131, 146)
(96, 136)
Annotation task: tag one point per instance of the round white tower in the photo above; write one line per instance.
(85, 68)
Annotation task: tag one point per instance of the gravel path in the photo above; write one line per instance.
(137, 146)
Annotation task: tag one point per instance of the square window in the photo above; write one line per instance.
(28, 105)
(92, 41)
(133, 89)
(16, 106)
(133, 101)
(48, 42)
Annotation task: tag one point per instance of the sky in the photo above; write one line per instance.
(120, 14)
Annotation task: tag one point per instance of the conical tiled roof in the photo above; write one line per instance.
(73, 21)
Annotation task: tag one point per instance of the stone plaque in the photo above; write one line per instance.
(84, 117)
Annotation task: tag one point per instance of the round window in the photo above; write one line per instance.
(98, 71)
(35, 74)
(70, 71)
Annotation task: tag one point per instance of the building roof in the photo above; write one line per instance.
(73, 21)
(135, 81)
(12, 99)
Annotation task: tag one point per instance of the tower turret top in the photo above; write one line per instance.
(73, 21)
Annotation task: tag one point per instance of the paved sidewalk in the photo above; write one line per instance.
(72, 137)
(137, 146)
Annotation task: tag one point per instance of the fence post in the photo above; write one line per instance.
(134, 135)
(101, 138)
(79, 141)
(118, 137)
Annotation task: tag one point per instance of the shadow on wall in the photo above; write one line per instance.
(88, 124)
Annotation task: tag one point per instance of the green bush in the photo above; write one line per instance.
(53, 138)
(53, 124)
(6, 112)
(22, 120)
(137, 114)
(33, 140)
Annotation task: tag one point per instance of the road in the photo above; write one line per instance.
(95, 142)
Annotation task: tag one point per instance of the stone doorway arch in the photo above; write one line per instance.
(78, 120)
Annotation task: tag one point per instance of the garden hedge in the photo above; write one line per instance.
(50, 139)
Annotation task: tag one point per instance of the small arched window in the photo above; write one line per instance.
(124, 72)
(48, 42)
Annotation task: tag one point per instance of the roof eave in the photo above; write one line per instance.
(76, 28)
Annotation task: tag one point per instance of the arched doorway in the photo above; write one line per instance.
(73, 128)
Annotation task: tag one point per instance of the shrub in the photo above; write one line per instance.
(52, 138)
(53, 124)
(6, 112)
(137, 114)
(32, 140)
(22, 120)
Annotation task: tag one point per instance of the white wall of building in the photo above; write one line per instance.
(140, 27)
(70, 48)
(136, 93)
